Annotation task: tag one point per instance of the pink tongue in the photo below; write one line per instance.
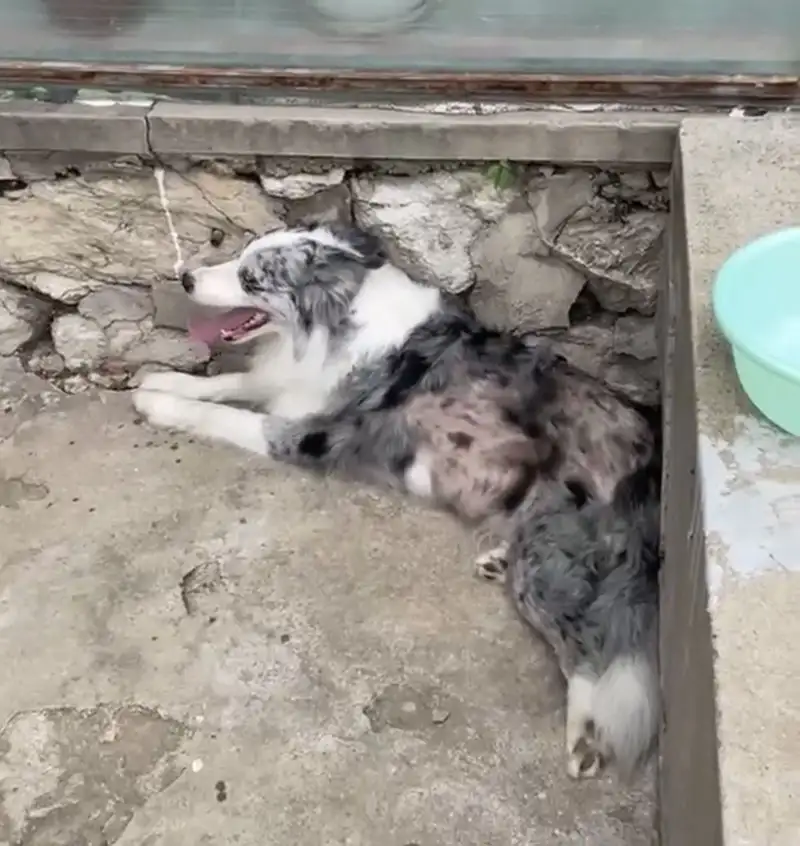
(208, 330)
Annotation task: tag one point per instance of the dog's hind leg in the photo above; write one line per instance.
(235, 426)
(493, 565)
(226, 387)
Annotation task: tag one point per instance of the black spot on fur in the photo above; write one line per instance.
(637, 488)
(369, 245)
(516, 494)
(405, 372)
(460, 439)
(400, 463)
(248, 280)
(579, 492)
(525, 423)
(480, 338)
(314, 445)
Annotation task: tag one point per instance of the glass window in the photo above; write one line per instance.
(536, 36)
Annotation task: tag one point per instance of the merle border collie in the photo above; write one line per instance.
(358, 369)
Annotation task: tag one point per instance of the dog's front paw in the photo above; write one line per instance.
(168, 382)
(158, 409)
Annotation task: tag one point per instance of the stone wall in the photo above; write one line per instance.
(88, 250)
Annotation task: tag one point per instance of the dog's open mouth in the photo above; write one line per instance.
(229, 326)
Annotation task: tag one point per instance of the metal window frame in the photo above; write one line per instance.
(683, 90)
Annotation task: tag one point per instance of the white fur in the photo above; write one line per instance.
(419, 479)
(580, 703)
(625, 708)
(622, 705)
(228, 387)
(290, 376)
(218, 286)
(386, 311)
(236, 426)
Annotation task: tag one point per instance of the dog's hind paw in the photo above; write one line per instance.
(585, 761)
(492, 565)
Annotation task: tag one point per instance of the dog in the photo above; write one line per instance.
(360, 370)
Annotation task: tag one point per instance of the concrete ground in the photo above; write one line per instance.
(200, 648)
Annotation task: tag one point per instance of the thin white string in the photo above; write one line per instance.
(162, 193)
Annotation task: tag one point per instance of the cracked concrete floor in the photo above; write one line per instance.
(200, 648)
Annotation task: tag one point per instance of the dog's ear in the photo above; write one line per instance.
(366, 244)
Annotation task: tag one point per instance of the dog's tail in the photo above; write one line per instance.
(625, 710)
(619, 687)
(625, 703)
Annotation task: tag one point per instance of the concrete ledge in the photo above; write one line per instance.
(51, 127)
(689, 789)
(635, 138)
(732, 575)
(389, 134)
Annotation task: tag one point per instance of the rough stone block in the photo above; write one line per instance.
(23, 317)
(68, 237)
(431, 222)
(515, 288)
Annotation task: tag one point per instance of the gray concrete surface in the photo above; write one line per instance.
(200, 648)
(739, 181)
(640, 138)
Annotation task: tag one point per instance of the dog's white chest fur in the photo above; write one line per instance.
(296, 381)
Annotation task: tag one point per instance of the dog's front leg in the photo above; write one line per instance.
(227, 387)
(236, 426)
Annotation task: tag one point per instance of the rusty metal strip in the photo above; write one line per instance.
(774, 90)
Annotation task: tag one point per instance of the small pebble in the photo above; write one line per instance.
(197, 765)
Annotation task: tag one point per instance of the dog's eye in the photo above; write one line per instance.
(248, 280)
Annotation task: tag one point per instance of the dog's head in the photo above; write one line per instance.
(293, 279)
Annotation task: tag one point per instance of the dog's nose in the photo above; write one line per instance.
(187, 280)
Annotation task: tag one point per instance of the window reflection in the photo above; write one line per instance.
(535, 36)
(93, 18)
